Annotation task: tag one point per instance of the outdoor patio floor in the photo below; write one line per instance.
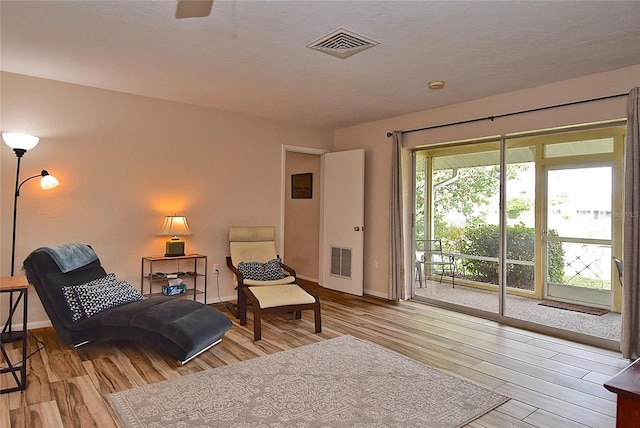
(605, 326)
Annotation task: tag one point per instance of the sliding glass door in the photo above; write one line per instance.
(457, 204)
(530, 224)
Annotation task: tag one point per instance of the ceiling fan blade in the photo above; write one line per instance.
(193, 8)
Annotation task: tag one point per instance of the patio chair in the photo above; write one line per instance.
(619, 268)
(430, 258)
(260, 280)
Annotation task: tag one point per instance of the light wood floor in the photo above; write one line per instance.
(551, 382)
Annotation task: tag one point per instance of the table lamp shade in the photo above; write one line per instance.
(175, 226)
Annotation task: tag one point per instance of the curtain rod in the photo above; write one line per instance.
(491, 118)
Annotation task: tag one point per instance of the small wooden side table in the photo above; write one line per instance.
(153, 278)
(12, 285)
(626, 385)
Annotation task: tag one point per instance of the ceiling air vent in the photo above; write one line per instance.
(342, 43)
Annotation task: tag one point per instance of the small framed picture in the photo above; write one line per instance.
(302, 186)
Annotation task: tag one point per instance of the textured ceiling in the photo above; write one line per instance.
(251, 56)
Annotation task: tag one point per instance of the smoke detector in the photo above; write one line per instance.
(342, 43)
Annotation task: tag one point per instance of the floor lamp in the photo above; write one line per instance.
(20, 143)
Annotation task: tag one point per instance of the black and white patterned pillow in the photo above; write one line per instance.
(99, 295)
(70, 295)
(72, 301)
(257, 271)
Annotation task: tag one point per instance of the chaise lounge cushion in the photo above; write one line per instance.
(182, 328)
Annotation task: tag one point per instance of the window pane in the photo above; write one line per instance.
(577, 148)
(572, 209)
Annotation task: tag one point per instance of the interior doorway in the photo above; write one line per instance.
(300, 216)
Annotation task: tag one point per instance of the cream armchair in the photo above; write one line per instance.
(261, 281)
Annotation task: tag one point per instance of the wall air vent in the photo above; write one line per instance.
(342, 43)
(341, 262)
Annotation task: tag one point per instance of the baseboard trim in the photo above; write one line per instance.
(34, 325)
(222, 299)
(376, 294)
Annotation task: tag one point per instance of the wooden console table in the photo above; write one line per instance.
(626, 385)
(155, 279)
(11, 285)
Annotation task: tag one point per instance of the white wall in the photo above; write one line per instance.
(124, 162)
(372, 137)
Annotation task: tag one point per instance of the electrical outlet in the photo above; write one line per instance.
(216, 269)
(375, 264)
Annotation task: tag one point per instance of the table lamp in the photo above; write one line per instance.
(175, 226)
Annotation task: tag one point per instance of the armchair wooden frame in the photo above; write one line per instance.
(246, 298)
(262, 296)
(242, 303)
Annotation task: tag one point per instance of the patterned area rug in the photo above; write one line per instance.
(342, 382)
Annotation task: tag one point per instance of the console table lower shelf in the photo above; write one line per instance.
(16, 371)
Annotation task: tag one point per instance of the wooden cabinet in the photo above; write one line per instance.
(626, 385)
(191, 268)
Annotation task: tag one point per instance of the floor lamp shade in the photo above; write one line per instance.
(48, 181)
(175, 226)
(21, 143)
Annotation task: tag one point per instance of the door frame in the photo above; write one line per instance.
(283, 196)
(565, 292)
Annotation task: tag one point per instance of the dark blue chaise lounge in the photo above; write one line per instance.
(182, 328)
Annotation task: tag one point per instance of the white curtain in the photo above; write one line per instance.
(630, 339)
(396, 240)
